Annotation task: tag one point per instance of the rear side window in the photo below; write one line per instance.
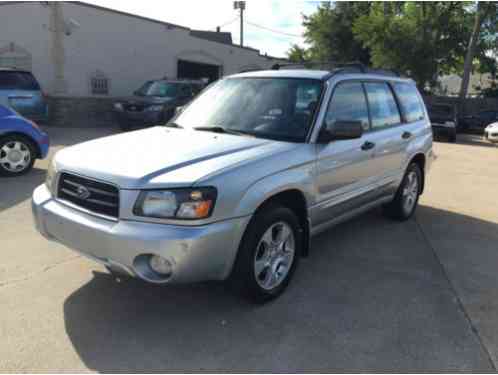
(409, 100)
(348, 104)
(383, 108)
(18, 81)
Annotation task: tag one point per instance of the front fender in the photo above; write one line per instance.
(299, 178)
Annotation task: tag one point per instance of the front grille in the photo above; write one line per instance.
(94, 196)
(134, 107)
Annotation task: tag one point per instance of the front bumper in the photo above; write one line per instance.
(197, 253)
(142, 118)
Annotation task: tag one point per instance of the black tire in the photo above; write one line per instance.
(397, 209)
(243, 276)
(27, 146)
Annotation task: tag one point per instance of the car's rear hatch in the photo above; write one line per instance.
(21, 91)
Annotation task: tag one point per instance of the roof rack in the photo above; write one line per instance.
(340, 68)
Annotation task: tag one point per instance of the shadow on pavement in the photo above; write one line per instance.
(474, 140)
(371, 296)
(14, 190)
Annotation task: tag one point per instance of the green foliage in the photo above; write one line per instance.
(329, 32)
(421, 39)
(297, 54)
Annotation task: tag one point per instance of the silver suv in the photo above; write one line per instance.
(235, 185)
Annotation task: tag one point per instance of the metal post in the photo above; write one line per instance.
(241, 5)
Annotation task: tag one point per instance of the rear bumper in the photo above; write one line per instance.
(197, 253)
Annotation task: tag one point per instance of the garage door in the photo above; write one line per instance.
(195, 70)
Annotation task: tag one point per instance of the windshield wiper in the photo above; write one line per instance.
(221, 129)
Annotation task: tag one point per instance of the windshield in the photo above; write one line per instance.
(157, 88)
(274, 108)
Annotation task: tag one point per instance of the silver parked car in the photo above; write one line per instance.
(237, 183)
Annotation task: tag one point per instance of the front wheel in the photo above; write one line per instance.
(17, 155)
(268, 254)
(403, 206)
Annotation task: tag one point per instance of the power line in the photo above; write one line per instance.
(272, 30)
(228, 22)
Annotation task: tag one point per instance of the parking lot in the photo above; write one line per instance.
(373, 294)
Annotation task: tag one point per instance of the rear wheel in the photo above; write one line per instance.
(405, 201)
(17, 155)
(268, 254)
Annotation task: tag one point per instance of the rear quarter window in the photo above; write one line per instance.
(410, 103)
(12, 80)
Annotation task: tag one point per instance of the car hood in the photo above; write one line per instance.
(162, 157)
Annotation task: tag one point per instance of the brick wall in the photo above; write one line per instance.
(80, 112)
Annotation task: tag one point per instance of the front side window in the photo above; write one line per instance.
(348, 104)
(409, 101)
(273, 108)
(383, 107)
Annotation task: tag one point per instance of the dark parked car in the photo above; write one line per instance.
(477, 122)
(443, 120)
(21, 142)
(155, 102)
(20, 90)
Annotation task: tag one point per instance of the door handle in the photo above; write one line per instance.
(406, 135)
(367, 146)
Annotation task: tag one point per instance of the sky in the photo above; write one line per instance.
(282, 15)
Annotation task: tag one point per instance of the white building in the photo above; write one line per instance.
(84, 55)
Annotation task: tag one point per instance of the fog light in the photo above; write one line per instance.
(160, 265)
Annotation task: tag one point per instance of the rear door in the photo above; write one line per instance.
(388, 132)
(22, 92)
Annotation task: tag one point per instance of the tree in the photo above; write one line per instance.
(297, 54)
(485, 12)
(329, 32)
(421, 39)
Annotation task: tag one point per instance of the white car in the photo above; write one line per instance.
(491, 132)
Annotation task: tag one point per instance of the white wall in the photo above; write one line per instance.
(127, 49)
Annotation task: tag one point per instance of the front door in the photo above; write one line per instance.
(346, 172)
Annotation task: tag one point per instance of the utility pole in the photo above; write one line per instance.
(241, 5)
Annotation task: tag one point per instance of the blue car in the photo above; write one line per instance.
(21, 143)
(20, 90)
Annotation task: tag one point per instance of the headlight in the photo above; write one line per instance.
(118, 106)
(154, 108)
(183, 204)
(50, 178)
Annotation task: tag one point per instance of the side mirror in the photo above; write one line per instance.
(341, 130)
(178, 110)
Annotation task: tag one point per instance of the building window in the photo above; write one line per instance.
(99, 84)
